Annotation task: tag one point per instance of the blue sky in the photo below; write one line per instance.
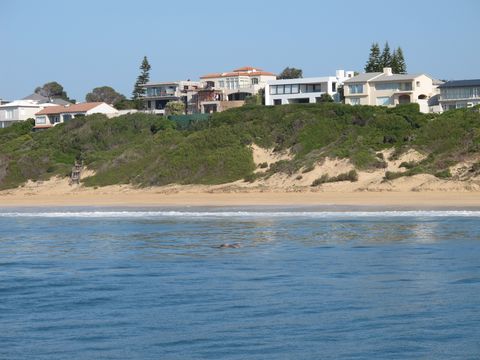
(85, 44)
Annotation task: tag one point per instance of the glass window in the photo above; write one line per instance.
(334, 86)
(384, 101)
(280, 89)
(288, 89)
(273, 89)
(8, 114)
(295, 89)
(254, 81)
(41, 120)
(355, 88)
(355, 101)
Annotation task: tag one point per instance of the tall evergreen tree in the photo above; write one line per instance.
(373, 63)
(400, 62)
(394, 62)
(142, 79)
(386, 57)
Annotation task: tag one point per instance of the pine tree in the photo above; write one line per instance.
(142, 79)
(400, 60)
(373, 63)
(394, 62)
(386, 57)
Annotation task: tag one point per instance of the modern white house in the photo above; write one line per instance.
(20, 110)
(388, 89)
(54, 115)
(459, 94)
(158, 94)
(305, 90)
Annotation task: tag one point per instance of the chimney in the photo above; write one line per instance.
(387, 71)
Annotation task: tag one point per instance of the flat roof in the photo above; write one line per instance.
(461, 83)
(302, 80)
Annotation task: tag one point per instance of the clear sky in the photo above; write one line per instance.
(83, 44)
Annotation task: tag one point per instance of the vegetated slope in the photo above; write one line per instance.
(149, 150)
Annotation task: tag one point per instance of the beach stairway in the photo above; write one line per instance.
(76, 173)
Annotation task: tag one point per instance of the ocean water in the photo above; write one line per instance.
(93, 283)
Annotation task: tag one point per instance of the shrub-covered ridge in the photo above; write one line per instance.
(148, 150)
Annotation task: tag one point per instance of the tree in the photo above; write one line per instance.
(142, 79)
(374, 62)
(52, 90)
(386, 57)
(105, 94)
(291, 73)
(325, 98)
(175, 108)
(401, 66)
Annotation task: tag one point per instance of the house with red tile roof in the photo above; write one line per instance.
(53, 115)
(230, 89)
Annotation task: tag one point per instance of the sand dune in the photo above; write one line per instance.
(278, 189)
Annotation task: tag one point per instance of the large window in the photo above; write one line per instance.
(254, 81)
(460, 93)
(41, 120)
(355, 89)
(354, 101)
(384, 101)
(8, 114)
(284, 89)
(394, 86)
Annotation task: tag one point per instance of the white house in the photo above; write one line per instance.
(304, 90)
(388, 89)
(20, 110)
(54, 115)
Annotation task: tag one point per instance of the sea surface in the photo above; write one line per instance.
(329, 283)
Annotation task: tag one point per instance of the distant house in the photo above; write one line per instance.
(459, 94)
(157, 95)
(221, 91)
(54, 115)
(20, 110)
(305, 90)
(388, 89)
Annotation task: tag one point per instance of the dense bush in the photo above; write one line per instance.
(150, 150)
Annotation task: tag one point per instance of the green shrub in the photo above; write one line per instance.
(443, 174)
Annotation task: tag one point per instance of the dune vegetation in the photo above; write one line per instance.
(147, 150)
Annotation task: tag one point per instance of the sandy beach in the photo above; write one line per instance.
(371, 189)
(126, 195)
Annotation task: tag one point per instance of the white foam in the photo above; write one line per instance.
(243, 214)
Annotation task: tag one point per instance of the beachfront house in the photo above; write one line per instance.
(158, 94)
(221, 91)
(54, 115)
(305, 90)
(388, 89)
(26, 108)
(459, 94)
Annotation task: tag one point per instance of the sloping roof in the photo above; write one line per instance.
(461, 83)
(59, 101)
(247, 68)
(21, 103)
(36, 97)
(75, 108)
(243, 71)
(396, 77)
(237, 73)
(363, 77)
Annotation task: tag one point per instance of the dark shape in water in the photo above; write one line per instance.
(229, 246)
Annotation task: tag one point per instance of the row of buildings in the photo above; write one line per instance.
(221, 91)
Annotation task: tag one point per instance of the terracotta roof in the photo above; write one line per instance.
(237, 73)
(82, 107)
(42, 126)
(247, 68)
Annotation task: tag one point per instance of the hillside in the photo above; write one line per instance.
(146, 150)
